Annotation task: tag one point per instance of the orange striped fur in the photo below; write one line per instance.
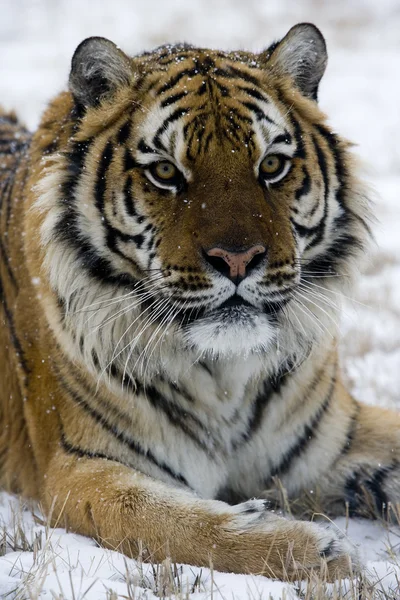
(174, 237)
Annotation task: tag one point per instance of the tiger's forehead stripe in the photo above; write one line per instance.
(231, 111)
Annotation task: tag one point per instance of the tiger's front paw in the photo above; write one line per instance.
(266, 543)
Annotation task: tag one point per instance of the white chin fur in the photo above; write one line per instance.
(243, 335)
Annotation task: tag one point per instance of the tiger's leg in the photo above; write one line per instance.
(120, 507)
(367, 470)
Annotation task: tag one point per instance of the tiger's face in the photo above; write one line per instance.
(217, 165)
(205, 186)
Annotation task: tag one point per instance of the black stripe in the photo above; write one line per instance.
(223, 90)
(68, 231)
(305, 185)
(192, 138)
(6, 183)
(232, 136)
(9, 193)
(83, 453)
(128, 199)
(6, 262)
(233, 127)
(196, 137)
(304, 231)
(176, 79)
(322, 165)
(357, 484)
(182, 392)
(21, 358)
(174, 98)
(309, 434)
(341, 171)
(144, 148)
(124, 133)
(119, 435)
(345, 244)
(271, 385)
(177, 416)
(298, 136)
(129, 162)
(317, 231)
(197, 120)
(208, 140)
(285, 138)
(297, 129)
(205, 366)
(50, 147)
(75, 162)
(101, 181)
(341, 248)
(177, 114)
(231, 71)
(230, 496)
(353, 493)
(375, 485)
(351, 432)
(239, 116)
(254, 93)
(261, 116)
(202, 89)
(113, 234)
(103, 402)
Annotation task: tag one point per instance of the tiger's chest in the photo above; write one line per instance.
(214, 427)
(210, 427)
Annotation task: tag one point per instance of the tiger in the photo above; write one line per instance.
(176, 238)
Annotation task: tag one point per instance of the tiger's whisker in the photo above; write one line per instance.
(319, 308)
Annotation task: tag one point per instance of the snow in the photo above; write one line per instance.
(71, 566)
(360, 94)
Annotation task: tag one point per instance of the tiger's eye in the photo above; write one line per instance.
(165, 170)
(272, 164)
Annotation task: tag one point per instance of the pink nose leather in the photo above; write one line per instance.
(237, 261)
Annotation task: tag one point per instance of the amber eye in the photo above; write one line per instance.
(274, 167)
(164, 170)
(164, 174)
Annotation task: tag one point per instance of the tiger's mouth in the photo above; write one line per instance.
(235, 301)
(236, 326)
(270, 307)
(236, 310)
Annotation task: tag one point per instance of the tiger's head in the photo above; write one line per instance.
(199, 199)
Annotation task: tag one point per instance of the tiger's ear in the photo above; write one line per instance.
(98, 69)
(302, 55)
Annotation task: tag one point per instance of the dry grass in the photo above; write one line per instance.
(165, 580)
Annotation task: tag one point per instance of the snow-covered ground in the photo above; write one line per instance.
(360, 92)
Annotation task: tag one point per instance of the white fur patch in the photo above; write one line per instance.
(245, 334)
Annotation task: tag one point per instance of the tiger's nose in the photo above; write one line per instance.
(235, 265)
